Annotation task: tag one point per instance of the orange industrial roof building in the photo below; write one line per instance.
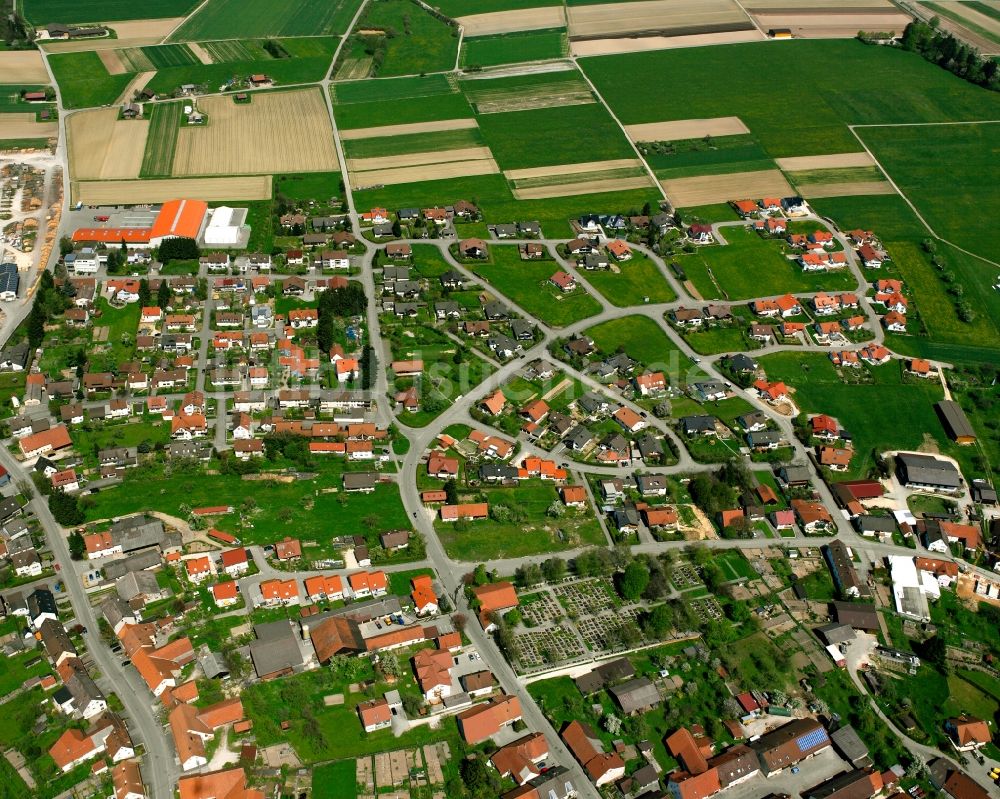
(113, 235)
(178, 218)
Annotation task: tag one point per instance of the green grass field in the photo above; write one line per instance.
(638, 279)
(367, 91)
(924, 160)
(551, 136)
(400, 112)
(846, 175)
(83, 80)
(713, 340)
(749, 266)
(38, 12)
(237, 19)
(314, 515)
(901, 232)
(699, 156)
(381, 146)
(870, 411)
(511, 48)
(873, 84)
(534, 534)
(526, 283)
(161, 142)
(642, 339)
(422, 43)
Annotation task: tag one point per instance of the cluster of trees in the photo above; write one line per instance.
(347, 301)
(178, 249)
(369, 367)
(963, 310)
(948, 52)
(49, 302)
(65, 508)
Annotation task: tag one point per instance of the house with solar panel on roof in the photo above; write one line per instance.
(9, 281)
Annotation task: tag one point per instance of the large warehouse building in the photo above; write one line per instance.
(187, 219)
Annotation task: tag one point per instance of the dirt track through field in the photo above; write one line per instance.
(415, 174)
(103, 147)
(22, 66)
(137, 33)
(24, 126)
(835, 161)
(418, 159)
(571, 169)
(814, 190)
(278, 132)
(200, 53)
(120, 192)
(653, 15)
(589, 187)
(709, 189)
(137, 84)
(403, 130)
(681, 129)
(528, 19)
(589, 47)
(809, 25)
(112, 62)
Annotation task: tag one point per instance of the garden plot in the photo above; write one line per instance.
(711, 189)
(136, 192)
(24, 126)
(408, 129)
(681, 16)
(103, 147)
(553, 645)
(22, 66)
(278, 132)
(555, 94)
(527, 19)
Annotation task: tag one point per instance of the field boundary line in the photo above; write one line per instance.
(621, 127)
(906, 199)
(177, 27)
(924, 124)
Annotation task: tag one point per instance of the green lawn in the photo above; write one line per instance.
(642, 339)
(39, 12)
(335, 780)
(526, 283)
(235, 19)
(532, 534)
(511, 48)
(422, 43)
(748, 266)
(713, 340)
(734, 565)
(870, 411)
(83, 80)
(301, 508)
(13, 670)
(638, 279)
(89, 442)
(873, 84)
(922, 159)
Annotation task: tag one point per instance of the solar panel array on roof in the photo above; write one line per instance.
(811, 740)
